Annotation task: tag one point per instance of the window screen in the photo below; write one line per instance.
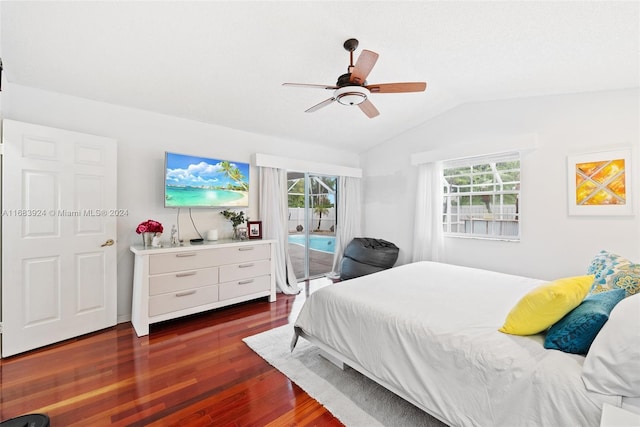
(481, 196)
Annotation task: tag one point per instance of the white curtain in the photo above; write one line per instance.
(428, 242)
(349, 218)
(273, 213)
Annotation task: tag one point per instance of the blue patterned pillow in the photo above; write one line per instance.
(612, 271)
(603, 263)
(575, 332)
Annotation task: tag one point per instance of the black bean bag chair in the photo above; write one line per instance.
(31, 420)
(365, 255)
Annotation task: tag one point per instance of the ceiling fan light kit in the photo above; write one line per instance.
(352, 88)
(351, 95)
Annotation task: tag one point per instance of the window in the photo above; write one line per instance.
(481, 195)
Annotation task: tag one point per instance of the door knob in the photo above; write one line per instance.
(109, 242)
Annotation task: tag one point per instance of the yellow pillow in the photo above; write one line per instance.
(546, 304)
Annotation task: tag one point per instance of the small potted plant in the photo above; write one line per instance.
(236, 219)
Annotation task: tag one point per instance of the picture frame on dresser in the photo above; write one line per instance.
(255, 229)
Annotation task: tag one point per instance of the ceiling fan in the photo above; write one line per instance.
(352, 87)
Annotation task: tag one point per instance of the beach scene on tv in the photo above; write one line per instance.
(192, 181)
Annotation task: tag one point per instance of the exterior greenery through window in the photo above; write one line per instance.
(481, 196)
(322, 190)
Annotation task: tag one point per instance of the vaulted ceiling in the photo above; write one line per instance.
(224, 62)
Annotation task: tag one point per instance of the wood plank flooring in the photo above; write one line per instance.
(193, 371)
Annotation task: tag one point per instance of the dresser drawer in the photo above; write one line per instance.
(174, 301)
(243, 253)
(181, 280)
(179, 261)
(244, 270)
(242, 287)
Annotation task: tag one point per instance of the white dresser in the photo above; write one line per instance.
(177, 281)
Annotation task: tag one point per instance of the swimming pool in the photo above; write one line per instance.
(316, 243)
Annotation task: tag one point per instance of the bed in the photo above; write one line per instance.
(429, 332)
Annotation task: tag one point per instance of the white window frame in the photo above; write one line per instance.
(472, 220)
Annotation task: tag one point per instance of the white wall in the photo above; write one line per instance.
(552, 244)
(143, 137)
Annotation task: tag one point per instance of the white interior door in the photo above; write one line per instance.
(58, 235)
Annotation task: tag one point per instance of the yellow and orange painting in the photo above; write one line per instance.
(601, 183)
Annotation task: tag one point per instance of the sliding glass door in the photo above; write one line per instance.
(312, 222)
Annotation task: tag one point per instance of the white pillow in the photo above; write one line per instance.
(612, 365)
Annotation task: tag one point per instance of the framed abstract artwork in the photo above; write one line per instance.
(599, 183)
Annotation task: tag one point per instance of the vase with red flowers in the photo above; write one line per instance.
(148, 229)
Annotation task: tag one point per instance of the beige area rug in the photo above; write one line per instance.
(351, 397)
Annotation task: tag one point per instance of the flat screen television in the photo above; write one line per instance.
(204, 182)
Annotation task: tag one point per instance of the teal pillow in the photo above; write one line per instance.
(613, 271)
(575, 332)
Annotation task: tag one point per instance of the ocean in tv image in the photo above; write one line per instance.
(192, 181)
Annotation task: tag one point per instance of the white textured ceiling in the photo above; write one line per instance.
(223, 62)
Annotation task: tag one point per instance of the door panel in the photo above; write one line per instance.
(40, 189)
(41, 281)
(58, 282)
(89, 193)
(89, 286)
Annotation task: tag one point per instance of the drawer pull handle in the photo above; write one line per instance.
(186, 255)
(245, 282)
(190, 273)
(184, 294)
(250, 248)
(245, 265)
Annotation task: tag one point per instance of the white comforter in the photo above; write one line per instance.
(430, 331)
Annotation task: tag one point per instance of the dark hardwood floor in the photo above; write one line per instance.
(193, 371)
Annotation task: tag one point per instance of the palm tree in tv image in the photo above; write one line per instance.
(234, 173)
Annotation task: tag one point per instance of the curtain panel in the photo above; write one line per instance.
(428, 241)
(274, 212)
(349, 217)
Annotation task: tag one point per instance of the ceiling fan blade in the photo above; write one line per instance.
(369, 109)
(397, 87)
(320, 105)
(363, 67)
(310, 85)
